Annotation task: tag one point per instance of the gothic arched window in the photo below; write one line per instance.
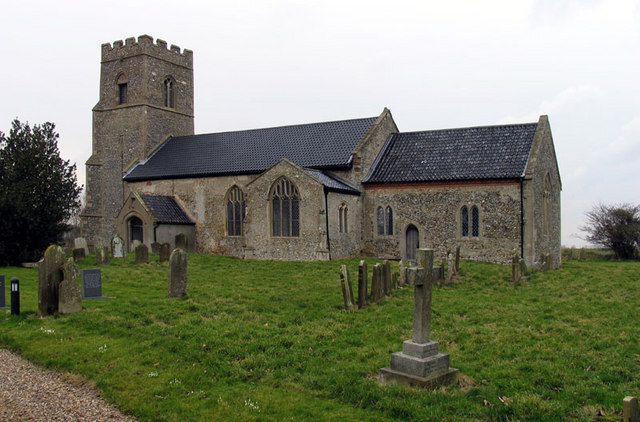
(464, 221)
(285, 209)
(380, 221)
(169, 92)
(344, 227)
(475, 221)
(235, 211)
(546, 203)
(389, 220)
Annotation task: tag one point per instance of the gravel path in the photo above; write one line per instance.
(31, 393)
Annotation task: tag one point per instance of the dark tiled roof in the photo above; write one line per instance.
(333, 183)
(488, 152)
(317, 145)
(166, 210)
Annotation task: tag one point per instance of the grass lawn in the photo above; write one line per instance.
(260, 340)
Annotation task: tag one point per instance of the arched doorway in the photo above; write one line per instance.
(135, 230)
(412, 242)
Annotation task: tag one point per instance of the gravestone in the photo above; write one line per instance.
(70, 295)
(450, 267)
(135, 244)
(92, 284)
(386, 277)
(102, 255)
(347, 289)
(81, 242)
(142, 254)
(155, 248)
(178, 273)
(515, 269)
(181, 241)
(117, 247)
(630, 410)
(362, 284)
(456, 264)
(523, 268)
(419, 363)
(50, 274)
(402, 278)
(376, 283)
(394, 280)
(3, 297)
(79, 254)
(165, 252)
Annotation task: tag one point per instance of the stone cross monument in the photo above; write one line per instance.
(419, 363)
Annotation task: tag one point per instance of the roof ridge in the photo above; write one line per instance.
(466, 127)
(276, 127)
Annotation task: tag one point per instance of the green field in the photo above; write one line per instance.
(261, 340)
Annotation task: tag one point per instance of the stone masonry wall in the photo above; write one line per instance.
(345, 244)
(435, 211)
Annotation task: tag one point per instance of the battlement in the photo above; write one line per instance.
(145, 45)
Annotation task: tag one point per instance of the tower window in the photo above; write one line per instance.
(122, 93)
(169, 93)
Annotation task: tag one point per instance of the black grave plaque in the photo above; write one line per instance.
(3, 301)
(92, 283)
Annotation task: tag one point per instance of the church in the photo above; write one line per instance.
(316, 191)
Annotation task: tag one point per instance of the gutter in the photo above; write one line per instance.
(326, 217)
(522, 217)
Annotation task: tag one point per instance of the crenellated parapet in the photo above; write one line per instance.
(145, 45)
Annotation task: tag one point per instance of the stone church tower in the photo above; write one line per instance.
(146, 95)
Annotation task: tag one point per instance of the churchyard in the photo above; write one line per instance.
(272, 340)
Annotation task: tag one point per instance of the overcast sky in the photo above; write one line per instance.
(434, 64)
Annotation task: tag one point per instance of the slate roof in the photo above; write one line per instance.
(333, 183)
(316, 145)
(487, 152)
(166, 210)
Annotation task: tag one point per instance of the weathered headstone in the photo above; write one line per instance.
(386, 277)
(515, 269)
(92, 284)
(81, 242)
(347, 289)
(102, 255)
(135, 244)
(3, 297)
(450, 267)
(79, 254)
(165, 252)
(456, 264)
(630, 410)
(117, 247)
(376, 283)
(142, 254)
(362, 284)
(419, 363)
(178, 273)
(402, 279)
(50, 274)
(70, 296)
(181, 241)
(155, 248)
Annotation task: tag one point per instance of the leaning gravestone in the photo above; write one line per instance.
(81, 242)
(3, 300)
(142, 254)
(347, 289)
(419, 363)
(92, 284)
(79, 254)
(362, 284)
(50, 274)
(376, 283)
(165, 252)
(181, 241)
(102, 255)
(117, 247)
(178, 273)
(155, 248)
(386, 277)
(70, 296)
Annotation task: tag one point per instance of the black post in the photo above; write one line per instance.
(15, 296)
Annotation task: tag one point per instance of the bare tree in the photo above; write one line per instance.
(616, 227)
